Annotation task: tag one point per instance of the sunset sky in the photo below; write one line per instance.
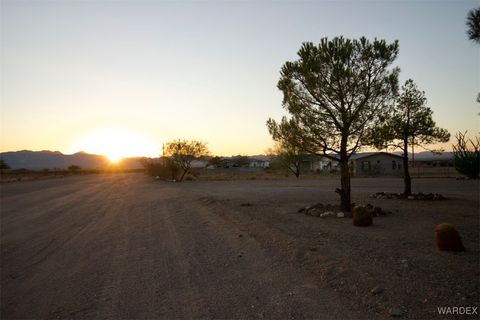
(75, 73)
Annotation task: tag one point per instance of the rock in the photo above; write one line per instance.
(378, 211)
(370, 208)
(437, 196)
(396, 312)
(327, 214)
(362, 217)
(246, 204)
(448, 238)
(340, 215)
(377, 290)
(314, 212)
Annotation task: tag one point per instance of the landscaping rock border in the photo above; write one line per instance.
(415, 196)
(334, 211)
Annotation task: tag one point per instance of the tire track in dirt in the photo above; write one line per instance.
(282, 250)
(70, 228)
(234, 268)
(124, 246)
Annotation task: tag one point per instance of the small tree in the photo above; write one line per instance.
(467, 155)
(335, 93)
(3, 165)
(164, 168)
(240, 161)
(183, 152)
(285, 159)
(473, 25)
(289, 150)
(409, 124)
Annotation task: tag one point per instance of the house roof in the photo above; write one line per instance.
(363, 155)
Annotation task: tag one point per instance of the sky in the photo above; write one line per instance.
(204, 70)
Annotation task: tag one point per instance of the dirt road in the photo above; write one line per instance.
(123, 246)
(127, 247)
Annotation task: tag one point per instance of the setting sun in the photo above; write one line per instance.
(116, 144)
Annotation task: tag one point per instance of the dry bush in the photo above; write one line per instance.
(467, 155)
(162, 168)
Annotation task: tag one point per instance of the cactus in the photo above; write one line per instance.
(362, 216)
(448, 238)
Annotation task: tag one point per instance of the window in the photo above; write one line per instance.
(366, 166)
(394, 165)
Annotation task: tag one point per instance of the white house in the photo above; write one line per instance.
(259, 163)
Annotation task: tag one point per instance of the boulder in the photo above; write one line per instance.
(377, 290)
(328, 214)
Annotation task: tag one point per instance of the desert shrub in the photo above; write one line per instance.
(74, 168)
(3, 165)
(163, 168)
(467, 155)
(182, 153)
(362, 217)
(448, 238)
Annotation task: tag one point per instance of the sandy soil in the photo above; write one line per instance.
(124, 246)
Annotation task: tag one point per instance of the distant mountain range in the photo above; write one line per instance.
(54, 159)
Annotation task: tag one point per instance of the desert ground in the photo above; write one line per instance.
(125, 246)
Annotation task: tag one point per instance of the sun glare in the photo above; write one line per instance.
(116, 144)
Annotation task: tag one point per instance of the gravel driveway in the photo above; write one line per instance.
(124, 246)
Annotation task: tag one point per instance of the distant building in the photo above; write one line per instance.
(258, 163)
(316, 163)
(376, 164)
(199, 163)
(431, 159)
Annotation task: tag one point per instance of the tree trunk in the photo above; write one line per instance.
(407, 191)
(183, 175)
(297, 172)
(345, 183)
